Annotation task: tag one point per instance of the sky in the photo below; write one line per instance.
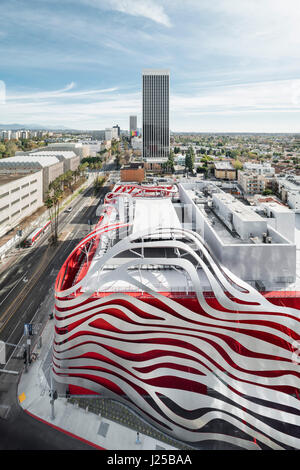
(234, 65)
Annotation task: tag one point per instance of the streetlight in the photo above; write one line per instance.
(52, 394)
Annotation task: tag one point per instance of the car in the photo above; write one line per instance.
(69, 209)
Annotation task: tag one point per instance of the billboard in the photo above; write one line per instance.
(134, 134)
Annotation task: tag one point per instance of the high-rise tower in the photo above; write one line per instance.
(132, 125)
(156, 132)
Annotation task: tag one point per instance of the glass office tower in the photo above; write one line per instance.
(156, 132)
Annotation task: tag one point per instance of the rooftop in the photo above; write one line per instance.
(29, 161)
(223, 166)
(7, 178)
(244, 212)
(153, 213)
(54, 153)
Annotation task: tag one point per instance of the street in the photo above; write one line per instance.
(27, 296)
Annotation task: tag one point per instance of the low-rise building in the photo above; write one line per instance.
(133, 172)
(260, 168)
(247, 243)
(25, 164)
(82, 150)
(20, 196)
(137, 143)
(289, 190)
(224, 170)
(69, 158)
(252, 182)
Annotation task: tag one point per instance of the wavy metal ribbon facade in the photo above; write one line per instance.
(216, 367)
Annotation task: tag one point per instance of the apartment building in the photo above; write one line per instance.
(224, 170)
(259, 168)
(252, 182)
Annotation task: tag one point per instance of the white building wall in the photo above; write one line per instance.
(269, 263)
(19, 198)
(281, 219)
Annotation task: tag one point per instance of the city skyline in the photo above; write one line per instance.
(234, 68)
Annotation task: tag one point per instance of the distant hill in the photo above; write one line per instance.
(35, 127)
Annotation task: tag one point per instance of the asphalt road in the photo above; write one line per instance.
(26, 296)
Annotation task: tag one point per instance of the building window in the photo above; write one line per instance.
(4, 207)
(25, 185)
(15, 190)
(16, 213)
(4, 220)
(15, 202)
(3, 195)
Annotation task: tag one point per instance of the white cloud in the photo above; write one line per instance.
(62, 93)
(145, 8)
(92, 108)
(281, 95)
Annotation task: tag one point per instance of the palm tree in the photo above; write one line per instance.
(52, 202)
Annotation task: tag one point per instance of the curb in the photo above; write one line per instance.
(68, 433)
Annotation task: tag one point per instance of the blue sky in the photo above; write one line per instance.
(234, 66)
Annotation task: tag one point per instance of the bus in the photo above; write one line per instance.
(32, 238)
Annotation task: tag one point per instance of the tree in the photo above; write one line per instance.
(2, 149)
(267, 192)
(98, 183)
(82, 167)
(237, 165)
(190, 159)
(114, 146)
(118, 159)
(52, 202)
(11, 149)
(169, 165)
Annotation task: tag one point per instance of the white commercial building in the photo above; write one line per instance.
(20, 196)
(82, 150)
(137, 143)
(260, 168)
(252, 246)
(70, 160)
(289, 190)
(6, 135)
(94, 147)
(111, 133)
(22, 164)
(278, 216)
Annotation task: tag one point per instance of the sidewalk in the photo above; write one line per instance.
(39, 217)
(102, 433)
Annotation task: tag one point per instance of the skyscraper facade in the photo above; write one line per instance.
(132, 125)
(118, 131)
(156, 131)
